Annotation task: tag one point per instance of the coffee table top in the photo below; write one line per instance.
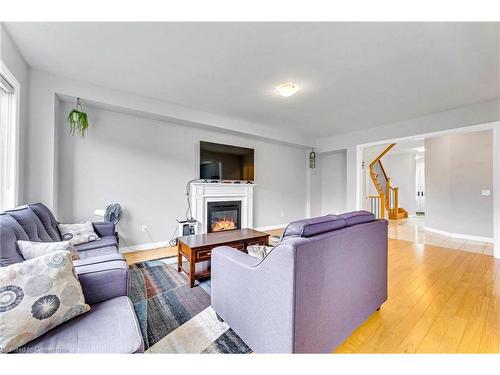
(227, 236)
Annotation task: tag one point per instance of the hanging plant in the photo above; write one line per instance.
(78, 121)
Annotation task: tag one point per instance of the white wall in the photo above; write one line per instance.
(328, 184)
(458, 167)
(12, 58)
(44, 87)
(144, 164)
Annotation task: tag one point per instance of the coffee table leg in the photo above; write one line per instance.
(179, 260)
(192, 270)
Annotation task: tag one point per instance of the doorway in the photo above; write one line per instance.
(445, 231)
(420, 186)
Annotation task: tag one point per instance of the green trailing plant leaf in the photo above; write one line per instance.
(78, 121)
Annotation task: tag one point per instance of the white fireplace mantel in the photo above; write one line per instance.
(202, 192)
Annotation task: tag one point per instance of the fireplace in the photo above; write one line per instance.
(223, 216)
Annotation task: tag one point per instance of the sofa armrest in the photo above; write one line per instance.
(236, 256)
(104, 228)
(256, 298)
(102, 278)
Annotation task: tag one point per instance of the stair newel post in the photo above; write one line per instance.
(382, 206)
(388, 196)
(396, 202)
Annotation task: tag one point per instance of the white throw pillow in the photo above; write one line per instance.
(36, 296)
(259, 251)
(78, 233)
(30, 250)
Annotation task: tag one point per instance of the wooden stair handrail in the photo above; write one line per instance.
(382, 154)
(389, 200)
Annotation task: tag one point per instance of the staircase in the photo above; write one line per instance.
(387, 200)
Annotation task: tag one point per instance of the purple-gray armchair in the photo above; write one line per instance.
(325, 277)
(111, 325)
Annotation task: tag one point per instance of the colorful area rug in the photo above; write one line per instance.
(175, 318)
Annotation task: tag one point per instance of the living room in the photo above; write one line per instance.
(210, 185)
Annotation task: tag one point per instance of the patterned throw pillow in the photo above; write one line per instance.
(30, 250)
(78, 233)
(259, 251)
(36, 296)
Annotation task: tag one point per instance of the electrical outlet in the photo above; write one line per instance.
(282, 214)
(144, 228)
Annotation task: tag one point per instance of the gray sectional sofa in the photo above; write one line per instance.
(111, 325)
(325, 277)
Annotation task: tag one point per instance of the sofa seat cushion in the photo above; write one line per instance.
(314, 226)
(103, 277)
(357, 217)
(88, 254)
(103, 242)
(109, 327)
(101, 258)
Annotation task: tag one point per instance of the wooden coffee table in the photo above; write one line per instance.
(198, 248)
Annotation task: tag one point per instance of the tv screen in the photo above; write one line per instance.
(225, 162)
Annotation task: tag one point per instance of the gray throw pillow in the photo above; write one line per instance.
(30, 250)
(36, 296)
(78, 233)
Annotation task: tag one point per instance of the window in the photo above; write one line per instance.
(9, 94)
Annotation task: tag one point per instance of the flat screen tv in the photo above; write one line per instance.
(225, 162)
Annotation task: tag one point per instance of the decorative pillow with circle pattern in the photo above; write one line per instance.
(30, 250)
(36, 296)
(78, 233)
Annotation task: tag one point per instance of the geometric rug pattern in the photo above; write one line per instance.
(175, 318)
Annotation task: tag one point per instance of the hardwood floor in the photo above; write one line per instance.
(144, 255)
(413, 229)
(441, 300)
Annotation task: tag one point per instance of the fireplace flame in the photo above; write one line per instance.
(223, 224)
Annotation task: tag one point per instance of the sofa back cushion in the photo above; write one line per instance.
(48, 220)
(357, 217)
(10, 233)
(31, 224)
(322, 224)
(314, 226)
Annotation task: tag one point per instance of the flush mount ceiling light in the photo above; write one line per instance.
(287, 89)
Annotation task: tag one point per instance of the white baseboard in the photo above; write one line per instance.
(460, 235)
(272, 227)
(146, 246)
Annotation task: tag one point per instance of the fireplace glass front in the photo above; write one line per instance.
(223, 216)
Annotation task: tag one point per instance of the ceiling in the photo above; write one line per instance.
(352, 76)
